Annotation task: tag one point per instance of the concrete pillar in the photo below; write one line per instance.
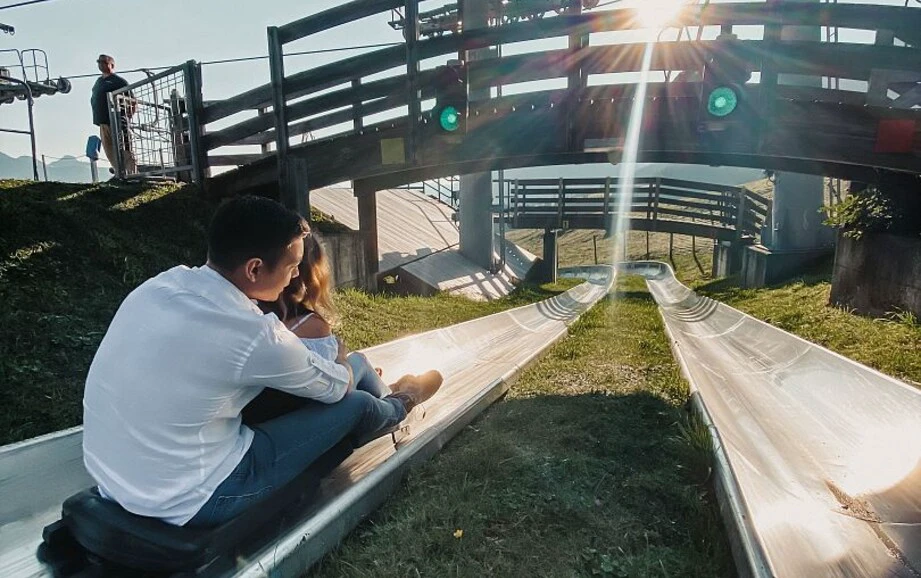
(798, 198)
(475, 201)
(797, 238)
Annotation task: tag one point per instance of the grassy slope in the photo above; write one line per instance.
(580, 470)
(69, 254)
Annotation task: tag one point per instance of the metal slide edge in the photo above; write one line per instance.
(306, 544)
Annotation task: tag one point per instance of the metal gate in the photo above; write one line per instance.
(155, 128)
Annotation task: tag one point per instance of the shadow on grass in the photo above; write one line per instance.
(818, 274)
(551, 485)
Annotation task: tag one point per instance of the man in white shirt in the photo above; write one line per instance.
(187, 350)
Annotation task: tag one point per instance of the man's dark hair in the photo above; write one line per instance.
(248, 227)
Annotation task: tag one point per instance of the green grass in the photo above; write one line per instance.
(891, 344)
(587, 467)
(69, 254)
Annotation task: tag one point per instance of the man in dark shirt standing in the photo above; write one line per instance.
(108, 82)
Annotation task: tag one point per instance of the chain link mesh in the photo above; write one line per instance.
(153, 126)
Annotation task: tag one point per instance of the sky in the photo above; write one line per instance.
(164, 33)
(152, 33)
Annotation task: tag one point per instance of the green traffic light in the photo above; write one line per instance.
(722, 101)
(449, 119)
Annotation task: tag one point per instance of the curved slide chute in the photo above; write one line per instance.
(479, 359)
(818, 457)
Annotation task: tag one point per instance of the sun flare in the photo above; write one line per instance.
(658, 13)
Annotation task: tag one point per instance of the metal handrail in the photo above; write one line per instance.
(31, 132)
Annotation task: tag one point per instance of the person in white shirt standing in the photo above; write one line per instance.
(188, 350)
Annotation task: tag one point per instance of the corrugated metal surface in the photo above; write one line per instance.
(824, 453)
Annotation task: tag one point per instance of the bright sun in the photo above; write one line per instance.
(658, 13)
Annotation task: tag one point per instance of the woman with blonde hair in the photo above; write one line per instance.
(306, 306)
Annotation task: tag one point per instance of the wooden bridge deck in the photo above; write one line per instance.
(419, 235)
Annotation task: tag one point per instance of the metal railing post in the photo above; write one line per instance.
(767, 227)
(607, 202)
(358, 121)
(515, 209)
(116, 135)
(740, 216)
(561, 204)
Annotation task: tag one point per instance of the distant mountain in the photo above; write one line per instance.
(72, 170)
(68, 169)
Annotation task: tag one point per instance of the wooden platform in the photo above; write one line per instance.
(419, 235)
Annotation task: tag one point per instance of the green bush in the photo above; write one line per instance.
(875, 211)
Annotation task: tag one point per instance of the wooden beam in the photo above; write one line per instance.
(234, 160)
(837, 140)
(241, 133)
(856, 16)
(327, 120)
(342, 14)
(878, 89)
(909, 98)
(287, 193)
(413, 94)
(367, 226)
(195, 108)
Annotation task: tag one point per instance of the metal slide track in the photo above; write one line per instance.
(479, 359)
(817, 456)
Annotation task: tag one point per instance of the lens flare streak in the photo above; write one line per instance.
(627, 174)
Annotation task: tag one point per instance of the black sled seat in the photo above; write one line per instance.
(95, 531)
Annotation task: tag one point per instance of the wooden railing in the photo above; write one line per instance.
(655, 204)
(299, 104)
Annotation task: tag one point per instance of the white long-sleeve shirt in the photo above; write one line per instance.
(184, 354)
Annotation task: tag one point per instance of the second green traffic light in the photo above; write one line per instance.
(722, 101)
(449, 119)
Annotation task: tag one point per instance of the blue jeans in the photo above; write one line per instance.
(364, 375)
(287, 445)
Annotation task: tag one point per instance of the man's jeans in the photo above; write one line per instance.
(285, 446)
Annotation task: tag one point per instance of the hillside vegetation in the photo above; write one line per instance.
(69, 254)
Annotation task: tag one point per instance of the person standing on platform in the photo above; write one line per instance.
(109, 82)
